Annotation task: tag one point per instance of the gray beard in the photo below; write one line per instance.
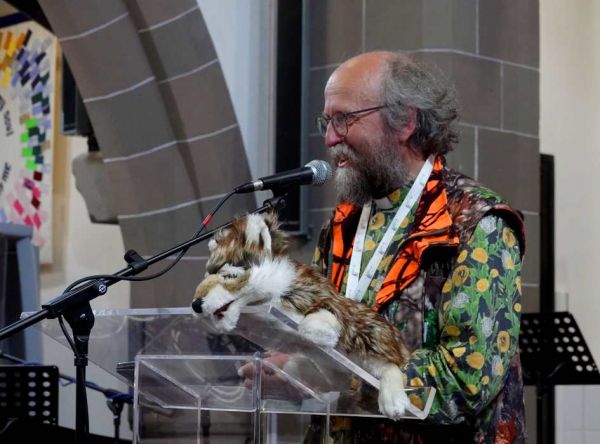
(370, 176)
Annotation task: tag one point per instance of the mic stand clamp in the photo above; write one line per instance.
(278, 201)
(135, 261)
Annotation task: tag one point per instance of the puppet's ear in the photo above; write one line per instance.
(257, 232)
(266, 238)
(279, 238)
(270, 218)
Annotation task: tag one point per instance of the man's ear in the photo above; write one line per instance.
(409, 127)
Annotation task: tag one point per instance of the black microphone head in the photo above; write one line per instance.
(322, 171)
(197, 305)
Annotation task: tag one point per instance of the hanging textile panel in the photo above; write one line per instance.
(27, 120)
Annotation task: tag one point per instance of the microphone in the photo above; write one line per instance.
(316, 172)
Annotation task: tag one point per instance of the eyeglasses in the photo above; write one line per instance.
(341, 121)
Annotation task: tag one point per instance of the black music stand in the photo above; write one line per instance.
(28, 392)
(554, 352)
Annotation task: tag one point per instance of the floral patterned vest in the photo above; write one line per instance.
(450, 208)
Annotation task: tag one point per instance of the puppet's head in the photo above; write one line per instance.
(250, 241)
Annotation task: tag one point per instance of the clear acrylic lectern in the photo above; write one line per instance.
(187, 384)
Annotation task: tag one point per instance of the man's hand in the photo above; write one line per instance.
(272, 384)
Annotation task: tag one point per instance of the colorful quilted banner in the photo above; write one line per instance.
(27, 71)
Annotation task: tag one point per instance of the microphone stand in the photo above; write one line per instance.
(75, 307)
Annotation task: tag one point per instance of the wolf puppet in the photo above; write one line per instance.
(248, 265)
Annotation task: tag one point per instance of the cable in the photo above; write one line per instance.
(111, 278)
(66, 333)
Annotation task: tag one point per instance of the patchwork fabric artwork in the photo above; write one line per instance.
(27, 71)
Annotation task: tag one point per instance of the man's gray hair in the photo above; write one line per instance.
(406, 85)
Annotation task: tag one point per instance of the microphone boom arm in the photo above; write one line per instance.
(89, 291)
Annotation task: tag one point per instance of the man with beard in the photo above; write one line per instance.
(433, 251)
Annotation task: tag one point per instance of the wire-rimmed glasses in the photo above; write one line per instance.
(341, 121)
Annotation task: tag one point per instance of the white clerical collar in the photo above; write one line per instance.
(393, 200)
(383, 203)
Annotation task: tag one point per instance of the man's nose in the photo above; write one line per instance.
(332, 138)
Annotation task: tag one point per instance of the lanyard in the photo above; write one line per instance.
(357, 284)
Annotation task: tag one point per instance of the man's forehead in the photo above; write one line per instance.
(340, 89)
(355, 87)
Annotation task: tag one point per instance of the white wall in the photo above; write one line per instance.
(570, 130)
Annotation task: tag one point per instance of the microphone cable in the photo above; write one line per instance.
(321, 172)
(113, 278)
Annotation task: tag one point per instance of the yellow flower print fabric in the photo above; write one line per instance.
(379, 222)
(478, 319)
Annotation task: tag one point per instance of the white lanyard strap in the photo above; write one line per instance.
(357, 284)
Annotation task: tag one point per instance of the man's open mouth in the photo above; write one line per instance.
(220, 313)
(341, 161)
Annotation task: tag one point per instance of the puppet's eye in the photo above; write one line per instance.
(229, 271)
(213, 268)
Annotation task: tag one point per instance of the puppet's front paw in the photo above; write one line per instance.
(392, 397)
(321, 327)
